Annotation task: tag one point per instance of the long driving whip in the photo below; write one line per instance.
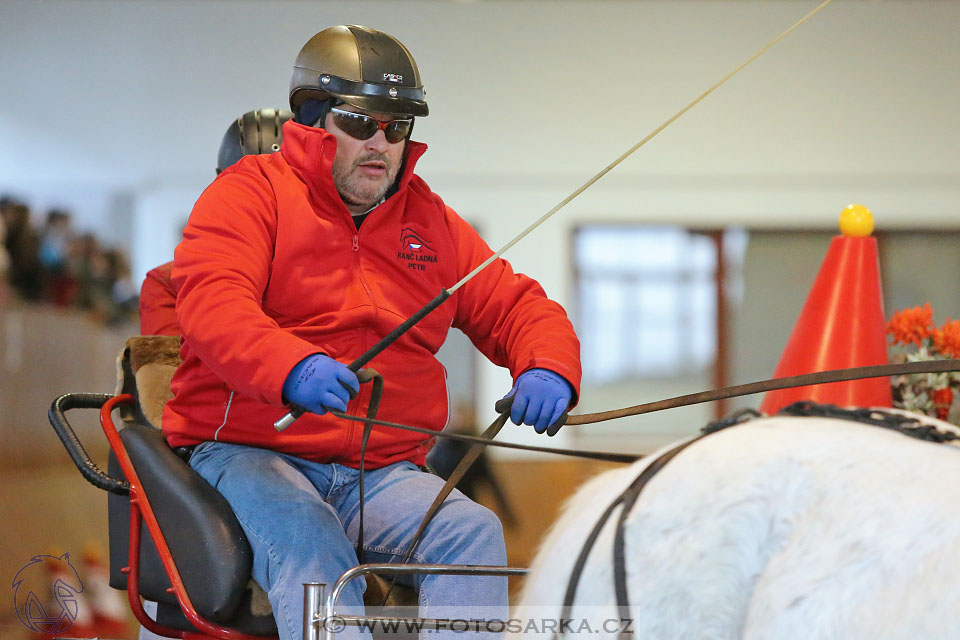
(390, 338)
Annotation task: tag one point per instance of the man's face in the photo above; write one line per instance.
(363, 170)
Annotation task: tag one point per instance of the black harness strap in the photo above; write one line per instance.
(367, 375)
(898, 422)
(629, 498)
(458, 472)
(626, 500)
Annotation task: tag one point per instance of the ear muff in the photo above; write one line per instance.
(314, 111)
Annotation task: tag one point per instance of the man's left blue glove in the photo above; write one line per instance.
(319, 383)
(540, 397)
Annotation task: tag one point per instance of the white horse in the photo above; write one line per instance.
(780, 528)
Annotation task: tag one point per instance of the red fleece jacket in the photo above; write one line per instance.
(158, 299)
(272, 269)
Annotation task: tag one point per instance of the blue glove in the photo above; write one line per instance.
(319, 383)
(540, 397)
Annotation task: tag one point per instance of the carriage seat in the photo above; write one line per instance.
(206, 541)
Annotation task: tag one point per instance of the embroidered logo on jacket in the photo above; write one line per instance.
(416, 250)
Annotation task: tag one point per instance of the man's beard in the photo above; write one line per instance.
(358, 190)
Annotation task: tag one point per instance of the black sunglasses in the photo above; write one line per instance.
(363, 127)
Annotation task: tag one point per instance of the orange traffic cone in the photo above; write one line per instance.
(68, 612)
(109, 606)
(841, 325)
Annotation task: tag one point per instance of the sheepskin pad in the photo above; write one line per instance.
(153, 360)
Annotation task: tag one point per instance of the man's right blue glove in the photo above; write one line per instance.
(319, 383)
(540, 397)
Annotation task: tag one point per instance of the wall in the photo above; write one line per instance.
(528, 100)
(116, 109)
(45, 353)
(45, 503)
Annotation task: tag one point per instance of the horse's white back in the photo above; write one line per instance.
(780, 528)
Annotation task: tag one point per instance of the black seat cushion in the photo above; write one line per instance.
(257, 625)
(205, 539)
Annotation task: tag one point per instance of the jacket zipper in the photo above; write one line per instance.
(355, 247)
(354, 435)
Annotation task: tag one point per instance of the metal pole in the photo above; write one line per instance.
(296, 412)
(333, 622)
(312, 597)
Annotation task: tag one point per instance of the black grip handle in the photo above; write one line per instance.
(88, 469)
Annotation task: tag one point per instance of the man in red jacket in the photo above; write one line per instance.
(297, 262)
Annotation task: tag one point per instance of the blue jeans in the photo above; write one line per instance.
(301, 519)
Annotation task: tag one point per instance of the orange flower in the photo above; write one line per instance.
(942, 399)
(947, 338)
(912, 325)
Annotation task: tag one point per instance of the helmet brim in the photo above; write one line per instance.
(369, 96)
(391, 106)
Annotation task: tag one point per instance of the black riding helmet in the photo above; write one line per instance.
(254, 132)
(366, 68)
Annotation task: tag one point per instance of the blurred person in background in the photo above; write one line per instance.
(56, 237)
(123, 293)
(4, 258)
(92, 270)
(23, 249)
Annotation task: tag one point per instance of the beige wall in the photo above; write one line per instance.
(117, 108)
(45, 504)
(528, 100)
(43, 354)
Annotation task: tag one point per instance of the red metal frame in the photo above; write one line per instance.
(140, 509)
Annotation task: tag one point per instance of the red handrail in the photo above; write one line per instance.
(140, 506)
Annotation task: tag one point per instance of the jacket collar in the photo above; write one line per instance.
(310, 152)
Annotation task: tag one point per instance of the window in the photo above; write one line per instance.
(646, 299)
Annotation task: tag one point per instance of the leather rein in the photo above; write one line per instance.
(477, 443)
